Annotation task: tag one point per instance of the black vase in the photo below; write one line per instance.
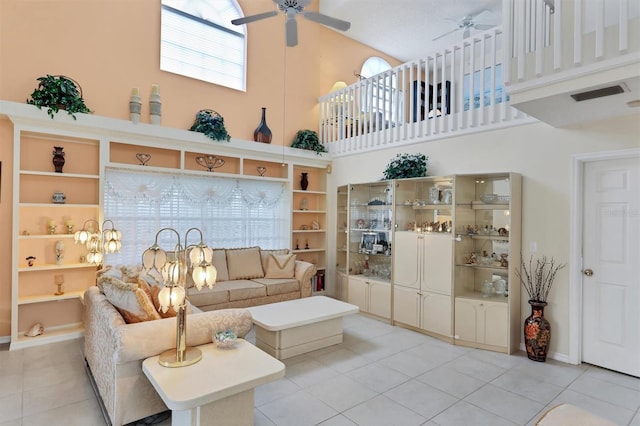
(262, 132)
(58, 158)
(304, 181)
(537, 332)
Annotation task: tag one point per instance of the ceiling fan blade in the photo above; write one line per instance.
(338, 24)
(483, 27)
(446, 34)
(252, 18)
(292, 31)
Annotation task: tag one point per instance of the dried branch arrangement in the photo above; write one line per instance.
(537, 279)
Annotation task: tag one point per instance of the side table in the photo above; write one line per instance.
(218, 389)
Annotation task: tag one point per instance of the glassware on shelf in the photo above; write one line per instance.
(487, 288)
(434, 195)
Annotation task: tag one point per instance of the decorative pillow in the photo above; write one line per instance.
(152, 287)
(219, 260)
(281, 266)
(244, 263)
(129, 299)
(264, 255)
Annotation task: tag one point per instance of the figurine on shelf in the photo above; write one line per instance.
(503, 232)
(31, 260)
(503, 260)
(297, 245)
(315, 225)
(306, 245)
(59, 252)
(59, 279)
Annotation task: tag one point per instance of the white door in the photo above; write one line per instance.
(611, 265)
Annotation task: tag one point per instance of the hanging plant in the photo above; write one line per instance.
(58, 92)
(406, 166)
(308, 139)
(211, 124)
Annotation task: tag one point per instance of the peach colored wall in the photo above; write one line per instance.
(110, 46)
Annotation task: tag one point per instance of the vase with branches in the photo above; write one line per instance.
(537, 279)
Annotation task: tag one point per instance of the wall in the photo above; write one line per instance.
(542, 154)
(110, 46)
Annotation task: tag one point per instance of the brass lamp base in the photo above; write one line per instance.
(169, 358)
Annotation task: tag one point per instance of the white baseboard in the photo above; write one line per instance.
(553, 355)
(5, 339)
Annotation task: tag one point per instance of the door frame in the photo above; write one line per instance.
(578, 162)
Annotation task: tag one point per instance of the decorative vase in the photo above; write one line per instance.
(155, 106)
(537, 332)
(58, 158)
(135, 105)
(262, 132)
(304, 181)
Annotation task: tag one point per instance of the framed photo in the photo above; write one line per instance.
(367, 242)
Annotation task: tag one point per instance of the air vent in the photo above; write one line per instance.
(598, 93)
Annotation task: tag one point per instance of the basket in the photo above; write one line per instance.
(210, 123)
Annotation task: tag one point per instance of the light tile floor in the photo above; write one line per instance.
(379, 375)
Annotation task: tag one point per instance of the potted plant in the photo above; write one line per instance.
(406, 166)
(58, 92)
(211, 124)
(308, 139)
(537, 280)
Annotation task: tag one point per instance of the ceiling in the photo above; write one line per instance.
(405, 29)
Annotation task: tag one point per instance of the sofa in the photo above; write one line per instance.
(253, 276)
(114, 351)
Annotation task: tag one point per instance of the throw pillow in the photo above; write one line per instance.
(244, 263)
(219, 261)
(129, 299)
(264, 255)
(281, 266)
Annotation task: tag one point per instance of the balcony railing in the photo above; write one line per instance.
(455, 91)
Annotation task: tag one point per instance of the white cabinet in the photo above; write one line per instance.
(483, 322)
(340, 290)
(371, 295)
(422, 268)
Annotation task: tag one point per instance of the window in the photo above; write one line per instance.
(199, 41)
(230, 212)
(380, 94)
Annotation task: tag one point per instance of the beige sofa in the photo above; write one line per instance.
(114, 351)
(252, 276)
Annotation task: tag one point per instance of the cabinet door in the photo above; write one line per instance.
(405, 259)
(495, 324)
(437, 260)
(406, 305)
(436, 313)
(340, 291)
(358, 293)
(380, 299)
(465, 319)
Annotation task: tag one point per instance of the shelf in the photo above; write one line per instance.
(371, 230)
(309, 250)
(50, 335)
(50, 297)
(370, 278)
(61, 175)
(371, 254)
(45, 236)
(308, 231)
(51, 267)
(479, 205)
(433, 207)
(300, 191)
(479, 296)
(478, 266)
(57, 206)
(310, 211)
(486, 237)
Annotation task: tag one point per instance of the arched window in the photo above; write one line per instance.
(374, 65)
(199, 41)
(380, 95)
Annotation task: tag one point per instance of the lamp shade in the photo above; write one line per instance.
(338, 85)
(204, 274)
(171, 296)
(154, 258)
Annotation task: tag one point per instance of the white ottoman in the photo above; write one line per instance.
(294, 327)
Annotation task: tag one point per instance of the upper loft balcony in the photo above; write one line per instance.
(521, 72)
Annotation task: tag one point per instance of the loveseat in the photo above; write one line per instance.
(114, 351)
(253, 276)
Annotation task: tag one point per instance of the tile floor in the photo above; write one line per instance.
(379, 375)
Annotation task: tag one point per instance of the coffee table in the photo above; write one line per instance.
(294, 327)
(218, 389)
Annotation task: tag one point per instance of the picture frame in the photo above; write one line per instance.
(367, 241)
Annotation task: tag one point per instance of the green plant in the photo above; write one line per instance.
(58, 92)
(308, 139)
(537, 280)
(211, 124)
(406, 166)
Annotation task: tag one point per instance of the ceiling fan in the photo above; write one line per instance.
(466, 23)
(291, 8)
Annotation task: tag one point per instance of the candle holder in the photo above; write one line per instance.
(59, 280)
(69, 228)
(51, 229)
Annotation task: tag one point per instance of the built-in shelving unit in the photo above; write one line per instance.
(93, 144)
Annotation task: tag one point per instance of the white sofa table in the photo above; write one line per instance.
(218, 389)
(294, 327)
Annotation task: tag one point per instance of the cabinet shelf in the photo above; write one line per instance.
(50, 335)
(433, 207)
(46, 236)
(370, 230)
(308, 231)
(59, 206)
(479, 296)
(309, 250)
(310, 211)
(478, 266)
(50, 297)
(53, 266)
(479, 205)
(299, 191)
(59, 175)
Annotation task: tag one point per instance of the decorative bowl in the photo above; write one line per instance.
(489, 198)
(225, 339)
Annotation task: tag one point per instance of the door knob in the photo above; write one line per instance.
(588, 272)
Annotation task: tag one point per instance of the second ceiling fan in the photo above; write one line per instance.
(291, 8)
